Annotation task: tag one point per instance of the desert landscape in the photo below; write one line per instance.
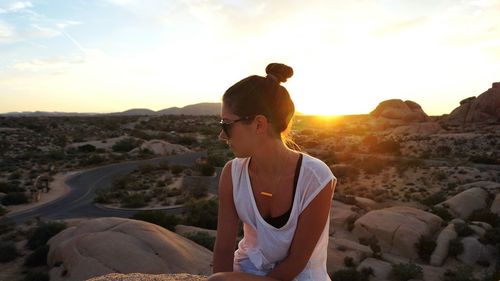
(418, 196)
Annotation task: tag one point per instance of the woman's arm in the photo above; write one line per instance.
(227, 224)
(310, 225)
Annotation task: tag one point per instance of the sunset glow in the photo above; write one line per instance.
(347, 56)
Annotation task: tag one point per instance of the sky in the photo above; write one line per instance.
(347, 55)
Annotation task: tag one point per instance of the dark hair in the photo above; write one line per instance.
(264, 95)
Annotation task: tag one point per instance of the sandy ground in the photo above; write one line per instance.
(57, 189)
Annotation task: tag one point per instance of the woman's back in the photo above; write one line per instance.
(263, 244)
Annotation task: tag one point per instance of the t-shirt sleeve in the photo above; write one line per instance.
(320, 176)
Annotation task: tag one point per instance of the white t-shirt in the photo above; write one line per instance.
(263, 245)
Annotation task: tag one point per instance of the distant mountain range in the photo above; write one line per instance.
(205, 108)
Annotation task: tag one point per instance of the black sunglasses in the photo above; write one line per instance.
(226, 125)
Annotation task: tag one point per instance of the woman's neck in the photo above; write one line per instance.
(271, 158)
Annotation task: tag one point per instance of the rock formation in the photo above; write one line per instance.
(407, 111)
(397, 229)
(484, 108)
(117, 245)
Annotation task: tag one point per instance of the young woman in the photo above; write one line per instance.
(282, 196)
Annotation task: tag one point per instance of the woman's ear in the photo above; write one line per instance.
(261, 124)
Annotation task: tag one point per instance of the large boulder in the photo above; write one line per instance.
(472, 250)
(440, 253)
(161, 147)
(397, 229)
(407, 111)
(495, 206)
(465, 203)
(118, 245)
(341, 215)
(484, 108)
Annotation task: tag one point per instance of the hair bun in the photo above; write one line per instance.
(281, 71)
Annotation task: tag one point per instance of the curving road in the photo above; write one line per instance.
(79, 201)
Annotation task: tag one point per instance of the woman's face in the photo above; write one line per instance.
(242, 137)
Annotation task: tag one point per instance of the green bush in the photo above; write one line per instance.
(136, 200)
(433, 199)
(350, 274)
(6, 225)
(8, 251)
(492, 236)
(125, 145)
(36, 276)
(425, 247)
(202, 238)
(43, 233)
(12, 186)
(406, 271)
(202, 213)
(485, 216)
(206, 169)
(14, 198)
(177, 169)
(38, 257)
(157, 217)
(442, 213)
(463, 230)
(462, 273)
(349, 261)
(3, 211)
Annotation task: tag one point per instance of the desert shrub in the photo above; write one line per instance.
(102, 196)
(174, 192)
(346, 171)
(425, 246)
(349, 274)
(455, 247)
(86, 148)
(492, 236)
(372, 165)
(38, 257)
(485, 216)
(125, 145)
(406, 271)
(372, 242)
(11, 186)
(43, 232)
(36, 276)
(462, 273)
(14, 198)
(202, 238)
(136, 200)
(157, 217)
(8, 251)
(206, 169)
(92, 160)
(463, 230)
(177, 169)
(439, 175)
(346, 199)
(201, 213)
(349, 261)
(6, 225)
(387, 146)
(442, 213)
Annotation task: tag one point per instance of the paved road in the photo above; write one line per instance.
(78, 202)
